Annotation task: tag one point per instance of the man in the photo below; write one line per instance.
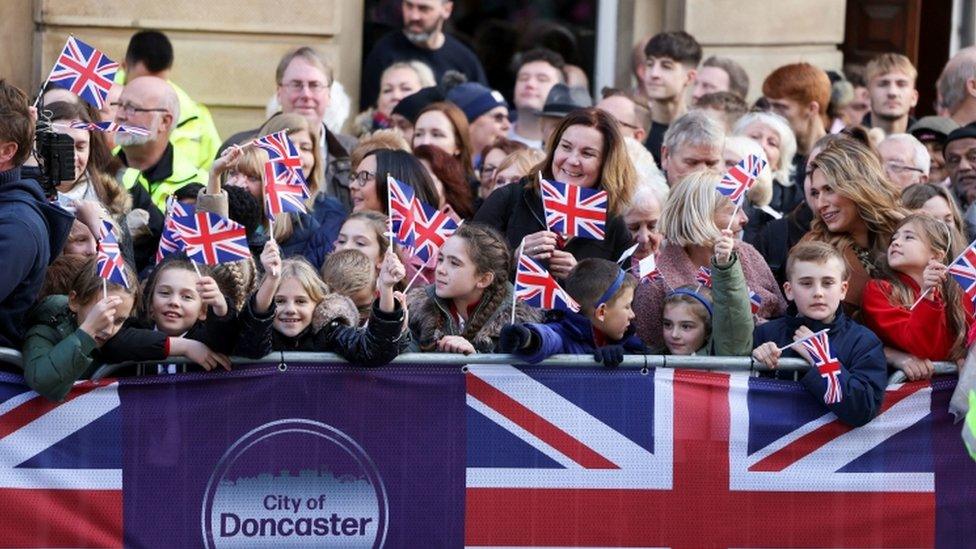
(672, 59)
(957, 87)
(891, 87)
(932, 131)
(694, 142)
(638, 66)
(628, 110)
(561, 101)
(487, 114)
(152, 162)
(960, 157)
(422, 38)
(32, 231)
(304, 82)
(800, 93)
(195, 137)
(906, 162)
(720, 74)
(537, 72)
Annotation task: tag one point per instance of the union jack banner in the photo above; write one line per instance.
(963, 269)
(535, 286)
(170, 241)
(704, 277)
(281, 197)
(741, 177)
(574, 210)
(211, 239)
(431, 228)
(108, 127)
(85, 71)
(109, 261)
(819, 348)
(283, 157)
(755, 302)
(402, 210)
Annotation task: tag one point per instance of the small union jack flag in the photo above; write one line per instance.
(647, 269)
(281, 197)
(755, 302)
(704, 277)
(431, 228)
(170, 241)
(85, 71)
(963, 269)
(211, 239)
(535, 286)
(403, 208)
(819, 348)
(283, 157)
(574, 210)
(109, 261)
(108, 127)
(741, 177)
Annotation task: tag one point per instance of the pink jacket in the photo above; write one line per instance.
(677, 270)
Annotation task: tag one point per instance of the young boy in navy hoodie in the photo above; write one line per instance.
(601, 328)
(817, 282)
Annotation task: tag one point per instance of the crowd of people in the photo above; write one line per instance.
(848, 230)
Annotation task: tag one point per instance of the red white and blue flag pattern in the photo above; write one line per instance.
(647, 269)
(431, 228)
(963, 269)
(85, 71)
(573, 210)
(741, 177)
(283, 157)
(211, 239)
(280, 196)
(819, 348)
(108, 127)
(403, 209)
(535, 286)
(109, 261)
(170, 241)
(755, 302)
(704, 277)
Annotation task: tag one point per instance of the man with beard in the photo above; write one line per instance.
(891, 86)
(422, 38)
(960, 160)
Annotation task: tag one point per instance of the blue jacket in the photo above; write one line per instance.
(32, 234)
(330, 214)
(566, 332)
(863, 367)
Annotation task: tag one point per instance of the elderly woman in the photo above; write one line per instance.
(692, 220)
(642, 215)
(399, 80)
(774, 135)
(585, 150)
(855, 208)
(758, 197)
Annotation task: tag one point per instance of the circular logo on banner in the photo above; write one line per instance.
(295, 483)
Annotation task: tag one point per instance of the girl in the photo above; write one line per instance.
(471, 298)
(294, 311)
(69, 335)
(365, 231)
(915, 265)
(938, 202)
(717, 321)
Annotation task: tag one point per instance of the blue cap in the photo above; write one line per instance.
(475, 99)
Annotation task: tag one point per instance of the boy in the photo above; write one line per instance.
(602, 327)
(352, 274)
(671, 66)
(817, 282)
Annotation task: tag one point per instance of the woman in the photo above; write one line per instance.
(444, 125)
(855, 208)
(774, 135)
(448, 178)
(399, 80)
(491, 157)
(938, 202)
(586, 150)
(642, 215)
(693, 218)
(367, 183)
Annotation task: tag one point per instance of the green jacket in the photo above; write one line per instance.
(732, 322)
(195, 137)
(56, 351)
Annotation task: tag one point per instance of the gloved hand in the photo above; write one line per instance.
(513, 337)
(610, 355)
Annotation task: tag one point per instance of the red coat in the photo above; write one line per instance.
(922, 332)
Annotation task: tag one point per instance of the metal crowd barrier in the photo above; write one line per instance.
(713, 363)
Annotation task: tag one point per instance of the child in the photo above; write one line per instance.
(602, 327)
(350, 273)
(69, 335)
(365, 231)
(697, 321)
(916, 265)
(285, 314)
(471, 299)
(817, 282)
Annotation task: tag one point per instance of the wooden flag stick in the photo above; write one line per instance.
(801, 340)
(518, 256)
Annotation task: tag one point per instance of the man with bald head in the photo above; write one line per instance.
(957, 86)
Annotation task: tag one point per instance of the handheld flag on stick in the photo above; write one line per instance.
(739, 179)
(211, 239)
(170, 241)
(108, 127)
(109, 262)
(704, 278)
(402, 208)
(280, 196)
(963, 269)
(647, 269)
(85, 71)
(283, 157)
(574, 210)
(818, 345)
(431, 228)
(755, 302)
(535, 286)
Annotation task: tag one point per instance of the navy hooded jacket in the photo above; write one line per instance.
(566, 332)
(863, 374)
(32, 234)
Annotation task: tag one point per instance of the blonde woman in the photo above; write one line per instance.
(856, 210)
(692, 221)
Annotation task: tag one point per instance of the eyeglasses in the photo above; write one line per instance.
(902, 168)
(129, 109)
(361, 178)
(296, 86)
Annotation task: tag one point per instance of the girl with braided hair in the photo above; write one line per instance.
(471, 298)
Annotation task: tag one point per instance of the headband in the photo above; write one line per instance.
(617, 283)
(695, 295)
